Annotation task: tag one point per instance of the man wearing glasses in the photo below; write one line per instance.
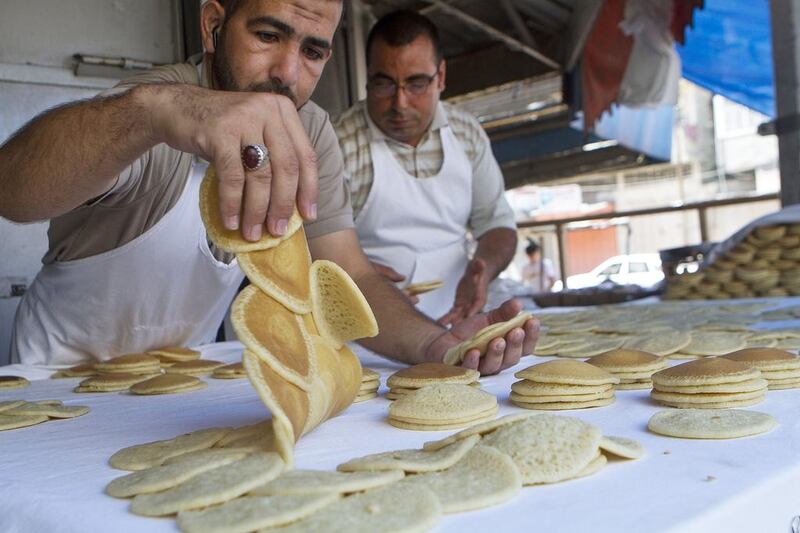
(422, 174)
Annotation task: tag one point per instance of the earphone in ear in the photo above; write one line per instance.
(215, 37)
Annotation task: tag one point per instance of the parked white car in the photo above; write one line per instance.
(634, 269)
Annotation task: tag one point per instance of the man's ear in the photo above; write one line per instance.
(212, 16)
(442, 71)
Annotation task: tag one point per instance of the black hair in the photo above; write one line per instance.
(532, 247)
(402, 27)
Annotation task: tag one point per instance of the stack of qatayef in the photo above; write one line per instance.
(231, 371)
(563, 384)
(415, 377)
(198, 367)
(442, 406)
(780, 368)
(709, 383)
(634, 368)
(370, 381)
(174, 354)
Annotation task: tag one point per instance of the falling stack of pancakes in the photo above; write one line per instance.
(634, 368)
(294, 321)
(415, 377)
(563, 384)
(709, 383)
(780, 368)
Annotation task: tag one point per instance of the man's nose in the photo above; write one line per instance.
(286, 65)
(400, 98)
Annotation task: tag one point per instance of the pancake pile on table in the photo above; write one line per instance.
(766, 262)
(16, 414)
(563, 384)
(710, 383)
(214, 485)
(294, 321)
(370, 382)
(634, 368)
(442, 406)
(415, 377)
(13, 382)
(780, 368)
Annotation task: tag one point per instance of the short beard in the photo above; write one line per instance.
(223, 76)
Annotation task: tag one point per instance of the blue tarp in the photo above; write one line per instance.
(729, 52)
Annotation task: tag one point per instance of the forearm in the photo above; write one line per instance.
(496, 248)
(405, 333)
(71, 154)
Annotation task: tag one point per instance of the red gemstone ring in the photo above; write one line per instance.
(254, 156)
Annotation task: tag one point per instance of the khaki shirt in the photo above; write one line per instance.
(152, 184)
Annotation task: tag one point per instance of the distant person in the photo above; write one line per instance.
(538, 272)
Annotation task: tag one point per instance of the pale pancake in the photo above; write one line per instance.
(414, 426)
(369, 386)
(710, 424)
(412, 460)
(627, 377)
(482, 338)
(78, 371)
(547, 448)
(462, 419)
(593, 348)
(232, 240)
(716, 405)
(175, 353)
(524, 398)
(275, 334)
(532, 388)
(784, 384)
(561, 406)
(13, 382)
(713, 343)
(771, 375)
(567, 372)
(198, 367)
(110, 382)
(593, 467)
(340, 311)
(702, 397)
(423, 374)
(711, 371)
(622, 447)
(260, 428)
(15, 422)
(251, 513)
(307, 482)
(477, 429)
(367, 374)
(49, 410)
(483, 478)
(739, 386)
(10, 404)
(134, 363)
(766, 358)
(443, 402)
(168, 384)
(635, 385)
(628, 360)
(364, 397)
(211, 487)
(231, 371)
(282, 272)
(147, 455)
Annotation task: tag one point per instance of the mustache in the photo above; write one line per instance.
(273, 86)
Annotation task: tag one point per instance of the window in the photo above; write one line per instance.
(611, 270)
(636, 267)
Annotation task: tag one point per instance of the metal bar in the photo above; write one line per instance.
(701, 213)
(651, 211)
(513, 16)
(512, 43)
(562, 259)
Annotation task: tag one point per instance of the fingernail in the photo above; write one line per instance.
(312, 211)
(232, 222)
(280, 226)
(255, 232)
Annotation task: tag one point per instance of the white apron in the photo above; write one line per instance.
(418, 226)
(164, 288)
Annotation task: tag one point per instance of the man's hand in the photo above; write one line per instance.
(470, 293)
(216, 125)
(395, 277)
(502, 352)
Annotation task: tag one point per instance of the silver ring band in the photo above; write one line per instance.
(254, 156)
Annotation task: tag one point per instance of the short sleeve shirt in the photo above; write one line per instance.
(153, 183)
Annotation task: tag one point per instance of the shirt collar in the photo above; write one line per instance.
(375, 134)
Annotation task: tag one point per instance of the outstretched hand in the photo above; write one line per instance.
(502, 352)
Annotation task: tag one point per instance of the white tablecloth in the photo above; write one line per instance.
(52, 475)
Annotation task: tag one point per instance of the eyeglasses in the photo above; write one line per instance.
(385, 87)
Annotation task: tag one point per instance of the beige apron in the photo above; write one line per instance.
(164, 288)
(418, 226)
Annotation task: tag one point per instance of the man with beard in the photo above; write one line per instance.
(129, 267)
(422, 174)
